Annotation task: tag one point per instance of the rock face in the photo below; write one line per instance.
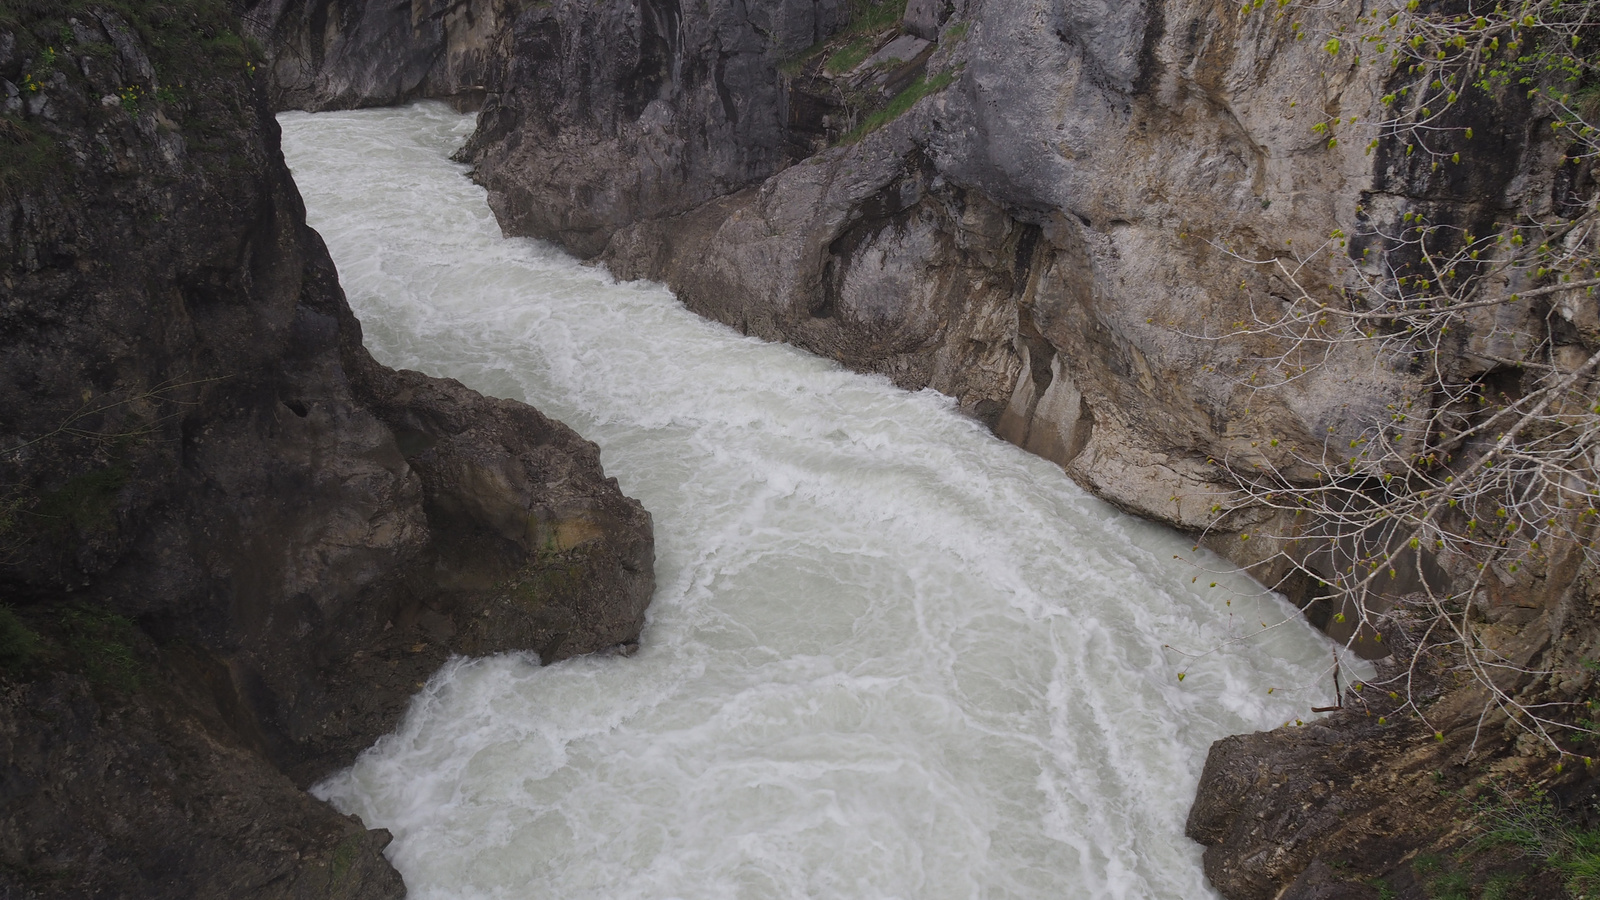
(1041, 238)
(231, 544)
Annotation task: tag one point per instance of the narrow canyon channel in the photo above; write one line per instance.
(889, 656)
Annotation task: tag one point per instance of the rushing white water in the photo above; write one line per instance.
(889, 655)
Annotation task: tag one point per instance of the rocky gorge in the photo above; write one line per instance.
(231, 544)
(1054, 212)
(234, 544)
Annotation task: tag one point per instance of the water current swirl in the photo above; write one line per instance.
(890, 655)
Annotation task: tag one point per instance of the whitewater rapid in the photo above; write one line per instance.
(889, 655)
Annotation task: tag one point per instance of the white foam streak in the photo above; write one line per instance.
(889, 656)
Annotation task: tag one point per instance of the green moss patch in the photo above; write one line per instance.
(850, 55)
(868, 15)
(85, 503)
(106, 648)
(184, 38)
(852, 43)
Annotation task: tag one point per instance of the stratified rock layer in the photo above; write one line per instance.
(232, 545)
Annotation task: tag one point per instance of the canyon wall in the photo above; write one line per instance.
(231, 544)
(1057, 212)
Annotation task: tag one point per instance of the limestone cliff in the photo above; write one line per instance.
(231, 544)
(1033, 238)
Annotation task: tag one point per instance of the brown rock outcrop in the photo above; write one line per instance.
(232, 545)
(1375, 801)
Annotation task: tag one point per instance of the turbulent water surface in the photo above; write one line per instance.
(890, 656)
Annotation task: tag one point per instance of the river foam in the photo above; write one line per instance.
(889, 655)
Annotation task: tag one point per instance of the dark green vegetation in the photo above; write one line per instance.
(1529, 827)
(85, 502)
(28, 155)
(874, 15)
(850, 55)
(1517, 844)
(186, 39)
(18, 642)
(106, 648)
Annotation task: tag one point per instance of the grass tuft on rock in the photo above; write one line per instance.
(28, 156)
(902, 101)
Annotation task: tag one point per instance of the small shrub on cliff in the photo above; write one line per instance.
(103, 645)
(28, 155)
(1528, 823)
(1441, 881)
(18, 642)
(85, 502)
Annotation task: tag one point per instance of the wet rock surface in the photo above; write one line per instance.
(232, 545)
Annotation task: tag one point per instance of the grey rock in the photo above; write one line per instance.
(1121, 140)
(924, 18)
(902, 49)
(135, 64)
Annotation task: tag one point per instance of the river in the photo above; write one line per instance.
(889, 654)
